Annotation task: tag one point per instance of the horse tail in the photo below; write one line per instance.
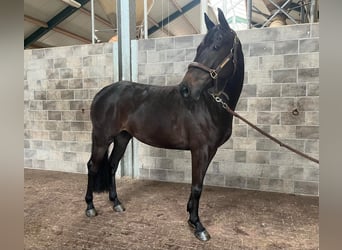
(102, 179)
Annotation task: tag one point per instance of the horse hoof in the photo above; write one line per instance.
(202, 236)
(119, 208)
(91, 212)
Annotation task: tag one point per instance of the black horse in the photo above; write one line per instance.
(185, 116)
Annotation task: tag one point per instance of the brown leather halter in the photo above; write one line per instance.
(214, 73)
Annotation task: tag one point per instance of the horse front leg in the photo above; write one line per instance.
(200, 162)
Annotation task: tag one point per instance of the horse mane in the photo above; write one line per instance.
(234, 86)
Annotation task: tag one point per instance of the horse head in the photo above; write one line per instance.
(216, 59)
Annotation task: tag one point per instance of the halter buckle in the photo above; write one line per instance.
(213, 73)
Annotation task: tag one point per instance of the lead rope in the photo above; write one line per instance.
(226, 107)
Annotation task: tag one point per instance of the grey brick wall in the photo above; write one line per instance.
(59, 84)
(282, 69)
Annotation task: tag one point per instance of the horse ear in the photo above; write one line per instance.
(222, 20)
(208, 22)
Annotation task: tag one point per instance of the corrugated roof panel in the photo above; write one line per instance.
(29, 29)
(80, 24)
(162, 9)
(98, 9)
(181, 27)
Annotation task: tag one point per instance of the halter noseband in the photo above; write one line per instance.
(214, 73)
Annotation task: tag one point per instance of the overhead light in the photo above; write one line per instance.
(72, 3)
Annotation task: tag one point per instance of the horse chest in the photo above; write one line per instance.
(223, 131)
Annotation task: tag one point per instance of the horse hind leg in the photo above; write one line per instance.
(120, 145)
(97, 162)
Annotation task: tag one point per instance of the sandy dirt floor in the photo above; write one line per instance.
(156, 217)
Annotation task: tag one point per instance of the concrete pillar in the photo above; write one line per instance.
(126, 33)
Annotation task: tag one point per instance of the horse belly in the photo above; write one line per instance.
(158, 130)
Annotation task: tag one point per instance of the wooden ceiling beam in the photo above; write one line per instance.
(39, 45)
(35, 21)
